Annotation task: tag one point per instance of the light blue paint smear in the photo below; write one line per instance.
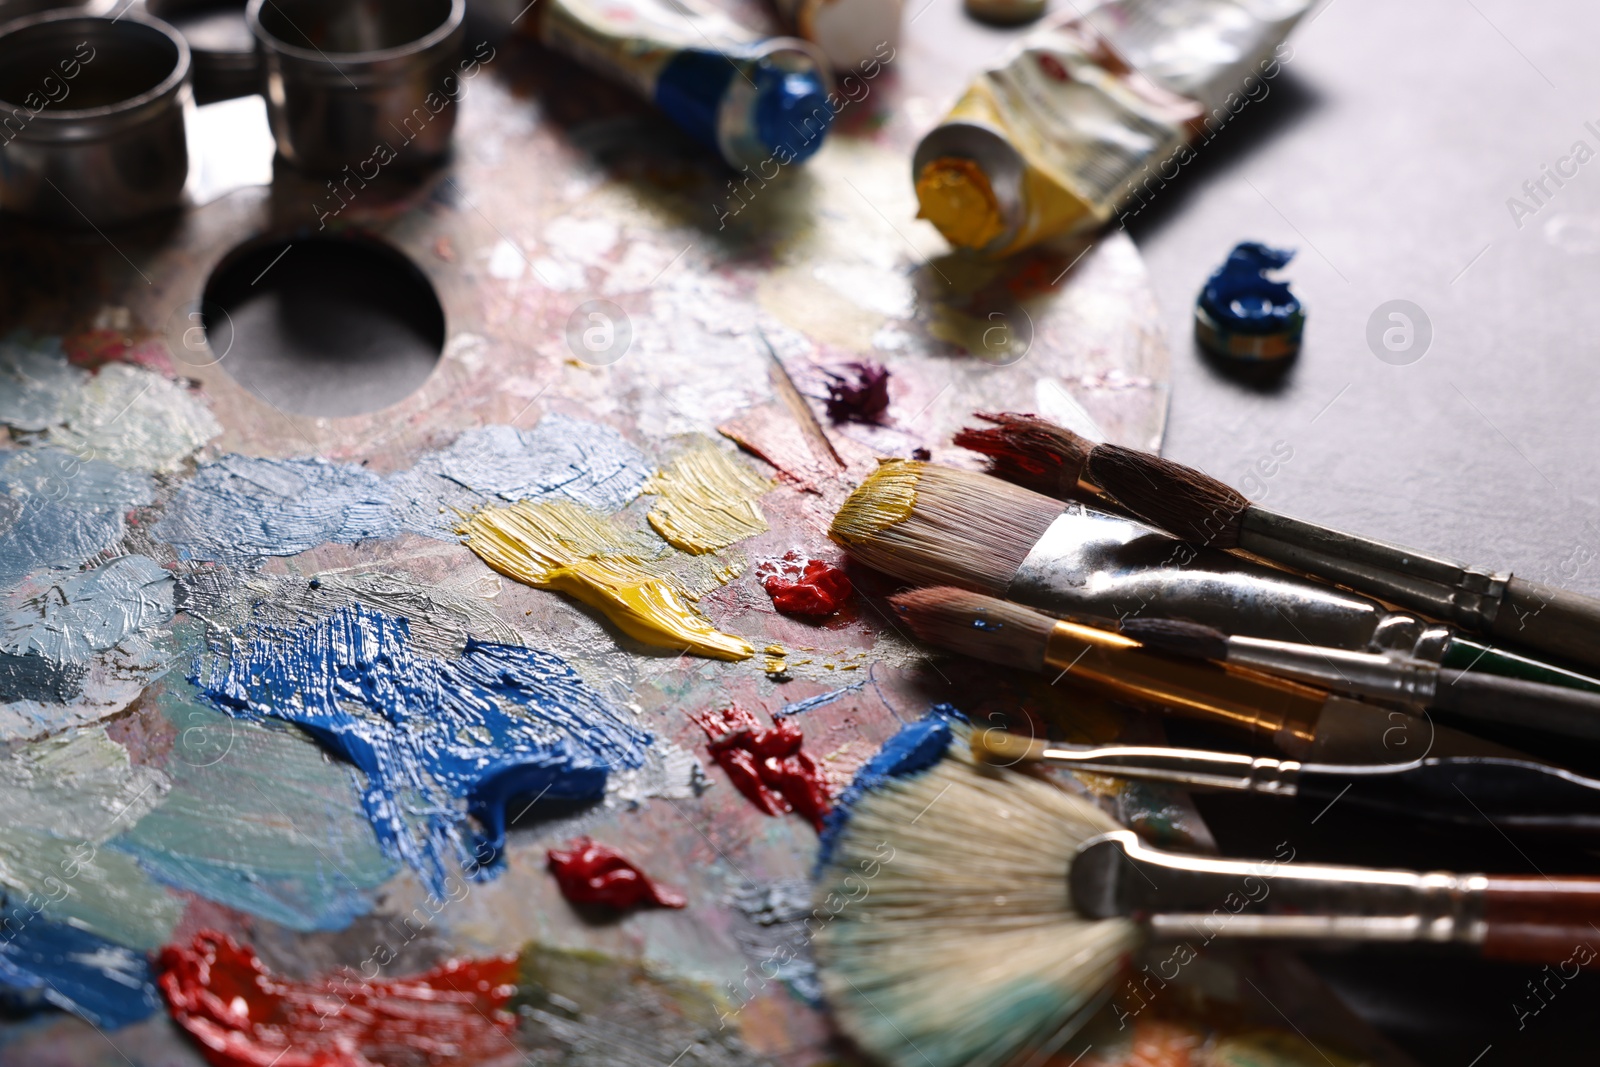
(916, 746)
(438, 739)
(58, 510)
(35, 380)
(49, 963)
(74, 618)
(800, 707)
(257, 818)
(240, 508)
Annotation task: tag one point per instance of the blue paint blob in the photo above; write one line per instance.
(820, 700)
(57, 510)
(989, 626)
(437, 739)
(1241, 299)
(916, 747)
(49, 963)
(242, 508)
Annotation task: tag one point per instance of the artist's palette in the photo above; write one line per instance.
(254, 672)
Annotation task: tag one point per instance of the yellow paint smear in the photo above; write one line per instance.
(885, 498)
(707, 501)
(579, 552)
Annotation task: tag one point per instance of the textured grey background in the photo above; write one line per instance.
(1385, 153)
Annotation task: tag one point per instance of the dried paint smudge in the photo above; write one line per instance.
(858, 392)
(258, 819)
(800, 707)
(780, 940)
(64, 798)
(243, 1015)
(438, 739)
(801, 586)
(707, 501)
(767, 764)
(242, 508)
(591, 873)
(578, 552)
(59, 509)
(126, 415)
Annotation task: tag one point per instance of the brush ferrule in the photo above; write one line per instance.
(1467, 596)
(1368, 674)
(1091, 564)
(1197, 769)
(1186, 896)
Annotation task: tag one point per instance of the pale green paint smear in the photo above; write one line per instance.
(259, 819)
(64, 797)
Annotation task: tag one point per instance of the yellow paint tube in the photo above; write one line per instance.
(1060, 135)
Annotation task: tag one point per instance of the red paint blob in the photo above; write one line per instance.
(242, 1015)
(591, 873)
(767, 764)
(858, 392)
(800, 586)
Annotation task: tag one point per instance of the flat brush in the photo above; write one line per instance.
(1201, 509)
(1479, 792)
(932, 525)
(976, 913)
(1482, 697)
(1301, 720)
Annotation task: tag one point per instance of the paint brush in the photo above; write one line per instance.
(1301, 720)
(1203, 510)
(933, 525)
(987, 913)
(1397, 679)
(1465, 791)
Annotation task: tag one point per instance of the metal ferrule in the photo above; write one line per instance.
(1188, 897)
(1197, 769)
(1092, 564)
(1367, 674)
(1466, 596)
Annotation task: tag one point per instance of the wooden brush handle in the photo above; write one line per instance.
(1551, 620)
(1515, 702)
(1534, 919)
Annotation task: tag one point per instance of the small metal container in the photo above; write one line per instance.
(92, 118)
(225, 61)
(360, 84)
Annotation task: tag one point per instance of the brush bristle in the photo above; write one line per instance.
(1191, 640)
(983, 627)
(1168, 495)
(1029, 451)
(931, 525)
(953, 941)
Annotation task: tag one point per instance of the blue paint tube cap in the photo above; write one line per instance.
(766, 106)
(1243, 314)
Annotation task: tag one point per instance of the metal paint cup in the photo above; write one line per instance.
(349, 81)
(224, 53)
(92, 118)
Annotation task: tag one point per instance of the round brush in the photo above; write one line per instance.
(1302, 720)
(1550, 709)
(977, 913)
(1199, 508)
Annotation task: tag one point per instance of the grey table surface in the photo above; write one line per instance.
(1387, 152)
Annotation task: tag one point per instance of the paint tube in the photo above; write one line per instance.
(849, 32)
(1085, 113)
(750, 98)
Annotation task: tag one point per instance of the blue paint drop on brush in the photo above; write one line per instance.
(49, 963)
(437, 739)
(915, 747)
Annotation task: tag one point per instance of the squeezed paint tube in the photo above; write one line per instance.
(750, 98)
(849, 32)
(1059, 135)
